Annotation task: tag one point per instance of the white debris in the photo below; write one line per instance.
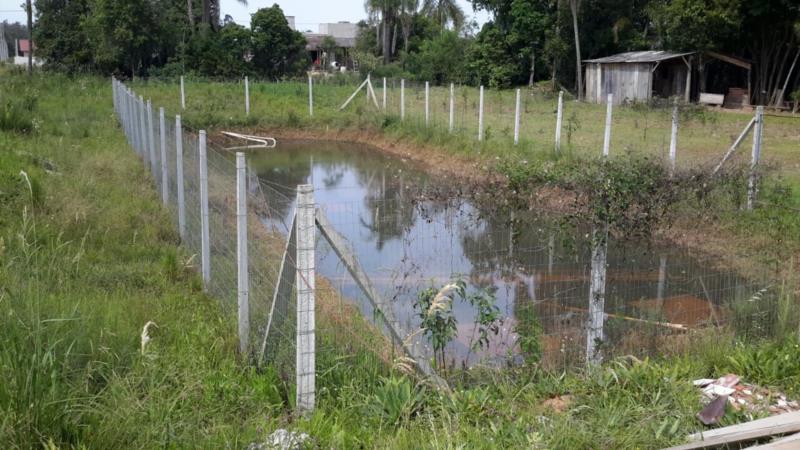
(281, 439)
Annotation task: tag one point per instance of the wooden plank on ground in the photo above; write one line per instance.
(743, 432)
(785, 443)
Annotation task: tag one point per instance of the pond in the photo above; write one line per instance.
(411, 231)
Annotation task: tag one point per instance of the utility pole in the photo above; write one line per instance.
(30, 37)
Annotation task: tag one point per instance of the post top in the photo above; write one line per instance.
(305, 188)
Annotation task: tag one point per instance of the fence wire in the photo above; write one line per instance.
(655, 303)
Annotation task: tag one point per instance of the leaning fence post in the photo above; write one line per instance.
(559, 119)
(452, 108)
(597, 294)
(246, 96)
(241, 253)
(480, 115)
(310, 97)
(162, 128)
(516, 119)
(205, 249)
(305, 279)
(151, 140)
(402, 99)
(183, 95)
(673, 139)
(427, 102)
(607, 136)
(179, 178)
(752, 184)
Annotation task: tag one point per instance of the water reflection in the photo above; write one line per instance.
(407, 239)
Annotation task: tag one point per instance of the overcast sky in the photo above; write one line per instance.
(308, 13)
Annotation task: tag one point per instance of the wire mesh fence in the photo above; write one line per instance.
(395, 242)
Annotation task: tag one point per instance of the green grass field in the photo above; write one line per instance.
(88, 256)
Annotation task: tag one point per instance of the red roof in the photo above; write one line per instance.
(24, 45)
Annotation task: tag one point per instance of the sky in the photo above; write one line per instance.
(308, 13)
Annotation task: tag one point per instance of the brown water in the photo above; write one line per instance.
(406, 241)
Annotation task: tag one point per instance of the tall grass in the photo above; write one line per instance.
(88, 257)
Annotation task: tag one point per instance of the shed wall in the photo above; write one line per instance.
(627, 81)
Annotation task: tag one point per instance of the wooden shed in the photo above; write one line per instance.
(640, 76)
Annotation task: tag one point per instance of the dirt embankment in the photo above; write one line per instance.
(700, 235)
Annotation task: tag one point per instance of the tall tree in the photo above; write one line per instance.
(277, 49)
(445, 12)
(60, 36)
(29, 8)
(388, 10)
(574, 7)
(408, 9)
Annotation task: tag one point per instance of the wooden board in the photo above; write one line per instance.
(784, 443)
(712, 99)
(743, 432)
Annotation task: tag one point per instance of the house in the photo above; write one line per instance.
(24, 47)
(705, 77)
(343, 36)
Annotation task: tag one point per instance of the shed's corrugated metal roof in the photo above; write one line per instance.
(638, 57)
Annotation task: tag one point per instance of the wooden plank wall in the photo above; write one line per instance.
(627, 81)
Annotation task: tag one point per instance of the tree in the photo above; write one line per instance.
(60, 37)
(441, 59)
(408, 9)
(575, 6)
(444, 12)
(125, 35)
(690, 25)
(278, 50)
(388, 11)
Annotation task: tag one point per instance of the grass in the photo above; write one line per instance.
(88, 256)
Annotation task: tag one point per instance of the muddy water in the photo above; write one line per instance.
(408, 237)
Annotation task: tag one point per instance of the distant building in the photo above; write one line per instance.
(705, 77)
(24, 47)
(290, 20)
(340, 57)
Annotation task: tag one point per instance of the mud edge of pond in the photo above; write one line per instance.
(701, 236)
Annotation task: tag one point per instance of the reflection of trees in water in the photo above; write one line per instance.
(389, 212)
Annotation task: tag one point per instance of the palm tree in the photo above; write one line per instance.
(388, 11)
(408, 9)
(211, 10)
(444, 12)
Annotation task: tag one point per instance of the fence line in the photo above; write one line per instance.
(273, 252)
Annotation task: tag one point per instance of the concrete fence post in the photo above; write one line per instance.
(427, 103)
(559, 119)
(246, 96)
(383, 93)
(402, 99)
(205, 248)
(310, 97)
(452, 108)
(143, 130)
(752, 184)
(179, 178)
(183, 95)
(597, 295)
(516, 118)
(305, 279)
(243, 280)
(162, 129)
(480, 115)
(151, 141)
(673, 139)
(607, 136)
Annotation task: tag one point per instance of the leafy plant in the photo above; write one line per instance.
(435, 309)
(395, 400)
